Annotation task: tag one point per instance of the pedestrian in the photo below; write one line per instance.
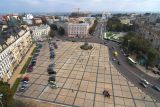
(144, 97)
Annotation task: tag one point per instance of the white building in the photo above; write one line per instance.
(77, 29)
(40, 33)
(106, 15)
(13, 47)
(28, 19)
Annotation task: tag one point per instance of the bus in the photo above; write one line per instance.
(131, 61)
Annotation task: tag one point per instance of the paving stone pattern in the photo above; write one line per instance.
(82, 76)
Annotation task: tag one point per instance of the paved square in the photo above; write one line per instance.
(82, 76)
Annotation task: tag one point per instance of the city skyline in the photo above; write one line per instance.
(11, 6)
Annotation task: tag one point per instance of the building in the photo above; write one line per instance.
(50, 19)
(14, 44)
(106, 15)
(77, 27)
(37, 21)
(28, 19)
(77, 30)
(40, 33)
(125, 20)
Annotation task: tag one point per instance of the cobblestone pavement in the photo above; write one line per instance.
(82, 76)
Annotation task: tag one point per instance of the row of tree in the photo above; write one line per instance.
(92, 29)
(141, 47)
(54, 29)
(115, 25)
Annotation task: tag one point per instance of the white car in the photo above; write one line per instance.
(145, 81)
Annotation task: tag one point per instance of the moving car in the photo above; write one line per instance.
(156, 88)
(145, 81)
(143, 84)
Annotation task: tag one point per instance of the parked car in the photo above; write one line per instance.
(33, 62)
(52, 55)
(50, 65)
(52, 78)
(24, 84)
(156, 88)
(52, 72)
(37, 50)
(55, 46)
(30, 68)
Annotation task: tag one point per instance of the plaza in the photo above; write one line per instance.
(82, 76)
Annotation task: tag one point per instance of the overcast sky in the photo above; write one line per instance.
(11, 6)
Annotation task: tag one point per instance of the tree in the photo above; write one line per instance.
(114, 24)
(61, 31)
(92, 28)
(7, 93)
(53, 27)
(152, 56)
(51, 33)
(141, 47)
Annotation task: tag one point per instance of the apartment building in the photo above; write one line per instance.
(149, 32)
(14, 44)
(40, 33)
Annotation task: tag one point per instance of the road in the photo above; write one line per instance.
(131, 73)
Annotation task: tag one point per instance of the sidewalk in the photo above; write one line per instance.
(148, 72)
(16, 73)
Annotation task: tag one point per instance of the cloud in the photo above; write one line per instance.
(86, 5)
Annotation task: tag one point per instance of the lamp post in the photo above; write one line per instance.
(1, 96)
(128, 45)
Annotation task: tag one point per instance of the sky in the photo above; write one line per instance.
(13, 6)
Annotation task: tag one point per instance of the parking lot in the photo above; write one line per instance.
(82, 77)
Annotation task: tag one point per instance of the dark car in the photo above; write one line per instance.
(52, 78)
(49, 69)
(55, 46)
(52, 55)
(33, 62)
(50, 65)
(30, 68)
(51, 48)
(52, 72)
(37, 50)
(156, 88)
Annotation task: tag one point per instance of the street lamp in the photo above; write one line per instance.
(1, 96)
(128, 45)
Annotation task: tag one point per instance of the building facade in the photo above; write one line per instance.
(12, 50)
(77, 27)
(40, 33)
(28, 19)
(77, 30)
